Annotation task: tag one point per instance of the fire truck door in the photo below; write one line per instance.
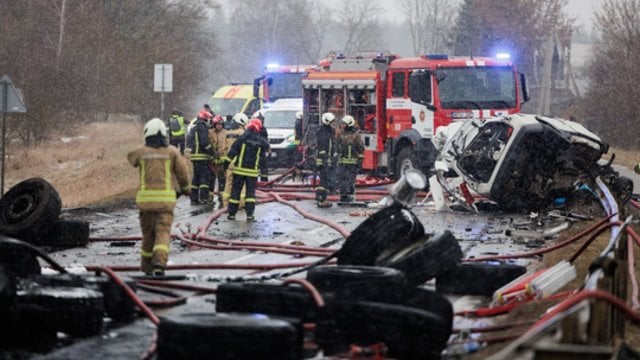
(422, 109)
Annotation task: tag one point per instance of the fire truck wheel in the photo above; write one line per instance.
(270, 299)
(408, 333)
(406, 160)
(477, 278)
(117, 304)
(228, 336)
(17, 259)
(67, 234)
(28, 209)
(388, 230)
(353, 282)
(427, 259)
(76, 311)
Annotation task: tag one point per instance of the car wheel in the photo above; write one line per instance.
(405, 160)
(17, 259)
(477, 278)
(76, 311)
(67, 234)
(28, 209)
(427, 258)
(227, 336)
(356, 282)
(291, 301)
(389, 229)
(408, 333)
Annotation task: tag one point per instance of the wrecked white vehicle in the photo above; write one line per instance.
(524, 162)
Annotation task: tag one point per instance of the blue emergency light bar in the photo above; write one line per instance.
(272, 66)
(437, 56)
(503, 56)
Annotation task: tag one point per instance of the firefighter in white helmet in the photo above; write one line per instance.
(240, 121)
(350, 147)
(325, 159)
(160, 166)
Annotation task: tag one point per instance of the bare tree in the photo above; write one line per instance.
(430, 23)
(609, 105)
(361, 23)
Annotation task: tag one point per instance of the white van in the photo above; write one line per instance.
(280, 119)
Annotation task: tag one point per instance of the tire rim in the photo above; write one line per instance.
(21, 207)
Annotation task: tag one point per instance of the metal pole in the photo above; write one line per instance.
(162, 95)
(5, 100)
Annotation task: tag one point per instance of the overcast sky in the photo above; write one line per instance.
(582, 10)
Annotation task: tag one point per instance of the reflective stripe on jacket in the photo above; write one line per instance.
(159, 168)
(198, 142)
(350, 148)
(248, 154)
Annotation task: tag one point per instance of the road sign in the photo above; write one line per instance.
(163, 78)
(10, 99)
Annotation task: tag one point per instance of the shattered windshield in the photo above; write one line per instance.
(285, 86)
(280, 119)
(226, 106)
(476, 88)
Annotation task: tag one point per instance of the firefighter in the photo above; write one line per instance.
(200, 155)
(217, 137)
(325, 159)
(350, 147)
(240, 120)
(248, 156)
(160, 166)
(297, 154)
(178, 130)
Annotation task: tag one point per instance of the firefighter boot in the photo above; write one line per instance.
(324, 204)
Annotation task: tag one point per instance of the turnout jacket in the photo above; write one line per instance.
(232, 136)
(218, 139)
(248, 154)
(162, 171)
(325, 146)
(198, 142)
(350, 147)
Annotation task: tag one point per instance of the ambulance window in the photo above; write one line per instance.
(253, 106)
(397, 89)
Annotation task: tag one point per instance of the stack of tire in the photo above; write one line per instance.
(30, 211)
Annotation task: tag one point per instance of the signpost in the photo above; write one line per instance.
(162, 82)
(10, 102)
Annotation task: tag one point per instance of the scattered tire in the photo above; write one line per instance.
(270, 299)
(29, 209)
(18, 259)
(389, 229)
(28, 327)
(352, 282)
(67, 234)
(477, 278)
(117, 304)
(408, 333)
(227, 336)
(76, 311)
(427, 258)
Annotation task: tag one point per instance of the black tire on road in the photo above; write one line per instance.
(291, 301)
(390, 228)
(227, 336)
(67, 234)
(426, 259)
(408, 333)
(76, 311)
(477, 278)
(352, 282)
(17, 259)
(29, 209)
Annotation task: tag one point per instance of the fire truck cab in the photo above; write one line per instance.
(400, 102)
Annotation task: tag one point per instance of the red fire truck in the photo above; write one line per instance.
(400, 102)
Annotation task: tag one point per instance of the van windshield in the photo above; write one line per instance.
(284, 86)
(279, 119)
(224, 107)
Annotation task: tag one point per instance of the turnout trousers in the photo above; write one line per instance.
(156, 236)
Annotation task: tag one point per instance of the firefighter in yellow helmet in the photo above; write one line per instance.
(160, 166)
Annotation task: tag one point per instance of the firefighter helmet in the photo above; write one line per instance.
(205, 115)
(255, 125)
(258, 114)
(327, 118)
(217, 120)
(154, 127)
(240, 119)
(299, 115)
(349, 120)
